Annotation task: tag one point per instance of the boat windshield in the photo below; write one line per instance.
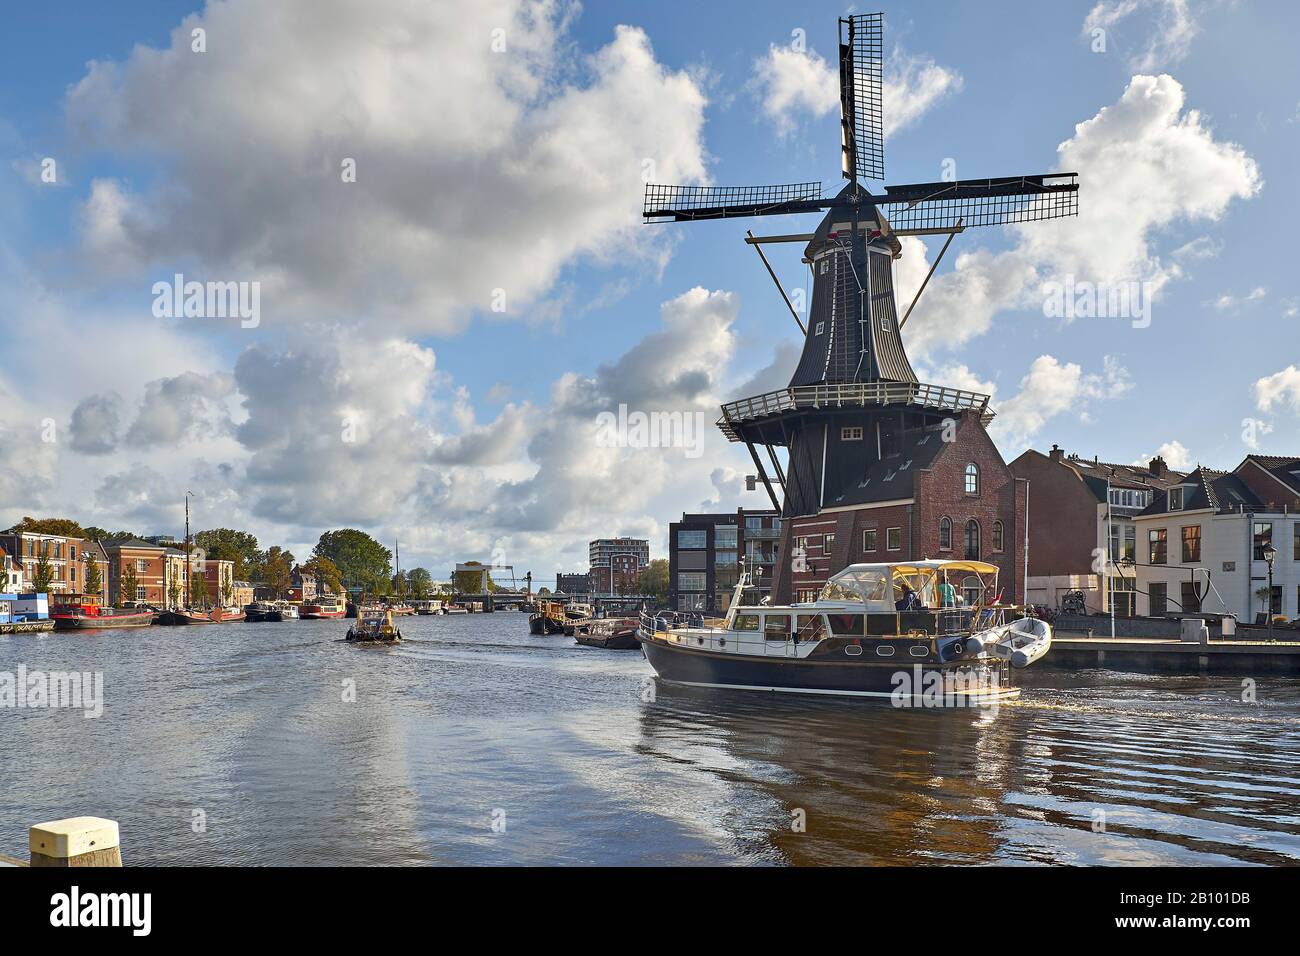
(857, 584)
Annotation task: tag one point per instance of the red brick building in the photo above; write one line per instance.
(923, 497)
(147, 560)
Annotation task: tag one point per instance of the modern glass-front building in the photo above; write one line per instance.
(705, 552)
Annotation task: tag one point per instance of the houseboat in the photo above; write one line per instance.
(920, 633)
(24, 613)
(322, 607)
(71, 617)
(610, 633)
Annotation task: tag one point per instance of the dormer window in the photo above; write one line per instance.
(1175, 499)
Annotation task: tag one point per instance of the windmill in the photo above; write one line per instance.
(853, 367)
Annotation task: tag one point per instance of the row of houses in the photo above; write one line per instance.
(158, 564)
(1152, 541)
(1138, 540)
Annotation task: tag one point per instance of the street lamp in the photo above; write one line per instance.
(1270, 554)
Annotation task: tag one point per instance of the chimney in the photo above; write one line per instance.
(1056, 454)
(1157, 467)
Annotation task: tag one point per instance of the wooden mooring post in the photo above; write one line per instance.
(77, 841)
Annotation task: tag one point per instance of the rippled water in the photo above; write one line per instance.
(473, 716)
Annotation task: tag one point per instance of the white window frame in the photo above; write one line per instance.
(851, 433)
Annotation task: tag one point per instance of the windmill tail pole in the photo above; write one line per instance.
(937, 259)
(759, 249)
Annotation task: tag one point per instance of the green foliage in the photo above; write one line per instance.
(63, 526)
(421, 582)
(275, 569)
(226, 544)
(654, 580)
(325, 572)
(358, 559)
(43, 575)
(94, 533)
(198, 590)
(94, 578)
(127, 584)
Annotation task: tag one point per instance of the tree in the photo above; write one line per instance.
(654, 580)
(128, 584)
(92, 533)
(399, 584)
(421, 583)
(276, 571)
(174, 592)
(226, 544)
(325, 572)
(43, 575)
(61, 526)
(198, 590)
(358, 559)
(543, 592)
(94, 579)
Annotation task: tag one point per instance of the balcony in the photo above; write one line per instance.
(850, 395)
(762, 534)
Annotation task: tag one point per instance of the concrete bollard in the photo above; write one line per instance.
(77, 841)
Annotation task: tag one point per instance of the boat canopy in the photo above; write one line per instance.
(935, 583)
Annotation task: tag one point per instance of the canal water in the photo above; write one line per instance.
(477, 743)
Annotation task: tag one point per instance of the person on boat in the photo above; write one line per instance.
(909, 601)
(947, 595)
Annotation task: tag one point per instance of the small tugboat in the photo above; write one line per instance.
(374, 626)
(549, 618)
(71, 617)
(611, 634)
(284, 611)
(326, 606)
(920, 633)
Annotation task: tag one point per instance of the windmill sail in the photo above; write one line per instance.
(862, 130)
(922, 208)
(684, 203)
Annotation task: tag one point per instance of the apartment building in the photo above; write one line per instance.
(704, 552)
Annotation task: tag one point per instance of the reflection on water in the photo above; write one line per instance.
(277, 743)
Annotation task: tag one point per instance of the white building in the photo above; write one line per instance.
(1202, 544)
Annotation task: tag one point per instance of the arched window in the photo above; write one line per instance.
(972, 479)
(997, 536)
(972, 540)
(945, 534)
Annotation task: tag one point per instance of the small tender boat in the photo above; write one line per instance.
(325, 607)
(455, 609)
(1022, 642)
(611, 634)
(919, 633)
(401, 610)
(85, 616)
(374, 626)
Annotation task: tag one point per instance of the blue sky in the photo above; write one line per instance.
(1221, 322)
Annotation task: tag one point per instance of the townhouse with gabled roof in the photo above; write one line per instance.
(1205, 542)
(1080, 511)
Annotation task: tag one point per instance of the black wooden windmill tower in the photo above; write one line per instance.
(854, 402)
